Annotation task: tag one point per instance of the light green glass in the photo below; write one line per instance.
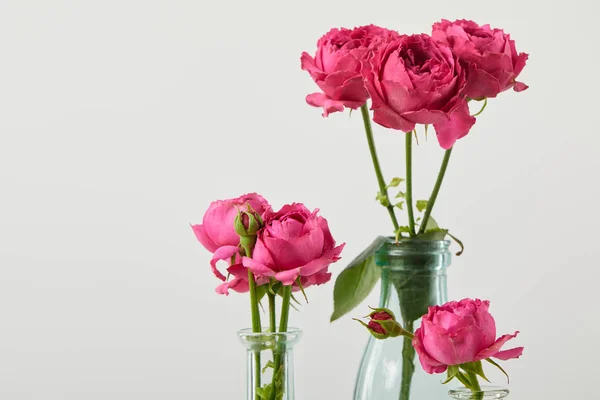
(266, 352)
(413, 277)
(486, 393)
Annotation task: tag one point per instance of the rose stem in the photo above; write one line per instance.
(272, 312)
(283, 326)
(475, 388)
(408, 363)
(408, 199)
(256, 327)
(436, 190)
(369, 131)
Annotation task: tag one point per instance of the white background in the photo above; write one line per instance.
(121, 120)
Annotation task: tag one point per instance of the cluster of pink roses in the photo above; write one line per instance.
(415, 79)
(293, 245)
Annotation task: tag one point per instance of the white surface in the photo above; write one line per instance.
(121, 120)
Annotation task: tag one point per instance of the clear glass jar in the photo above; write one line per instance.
(413, 277)
(266, 353)
(487, 393)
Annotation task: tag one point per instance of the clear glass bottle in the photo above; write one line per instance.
(413, 277)
(268, 352)
(487, 393)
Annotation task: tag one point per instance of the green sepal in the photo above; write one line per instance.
(464, 379)
(460, 243)
(495, 364)
(421, 205)
(453, 370)
(426, 128)
(475, 368)
(357, 280)
(399, 205)
(482, 108)
(299, 283)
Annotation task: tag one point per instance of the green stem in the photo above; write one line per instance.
(408, 363)
(475, 388)
(279, 354)
(380, 181)
(408, 199)
(272, 312)
(436, 190)
(256, 327)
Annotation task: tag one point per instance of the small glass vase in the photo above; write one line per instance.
(487, 393)
(413, 277)
(268, 352)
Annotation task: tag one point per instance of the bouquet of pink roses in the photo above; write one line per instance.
(411, 81)
(268, 254)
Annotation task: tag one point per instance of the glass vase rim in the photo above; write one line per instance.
(250, 338)
(489, 393)
(405, 241)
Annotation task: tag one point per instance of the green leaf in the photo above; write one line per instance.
(474, 367)
(400, 195)
(434, 234)
(399, 205)
(265, 392)
(403, 229)
(452, 372)
(383, 199)
(357, 280)
(421, 205)
(431, 224)
(495, 364)
(395, 182)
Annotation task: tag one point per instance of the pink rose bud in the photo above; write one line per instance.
(383, 324)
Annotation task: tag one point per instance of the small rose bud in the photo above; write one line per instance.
(382, 324)
(248, 222)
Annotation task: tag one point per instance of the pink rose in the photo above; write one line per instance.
(217, 234)
(337, 64)
(416, 80)
(458, 333)
(294, 243)
(489, 55)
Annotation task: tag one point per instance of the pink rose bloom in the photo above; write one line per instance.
(489, 55)
(294, 243)
(458, 333)
(217, 234)
(416, 80)
(337, 64)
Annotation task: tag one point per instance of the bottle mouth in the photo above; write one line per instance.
(268, 340)
(489, 393)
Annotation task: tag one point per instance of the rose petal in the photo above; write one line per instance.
(222, 253)
(203, 238)
(495, 348)
(456, 127)
(509, 354)
(321, 100)
(429, 364)
(257, 267)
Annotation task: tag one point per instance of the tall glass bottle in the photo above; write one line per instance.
(413, 277)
